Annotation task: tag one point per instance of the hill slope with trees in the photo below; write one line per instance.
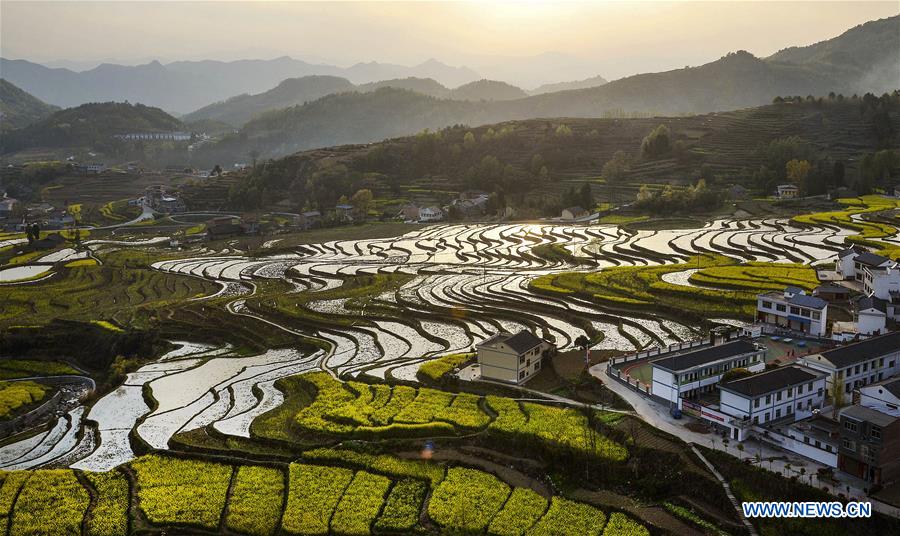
(90, 125)
(18, 108)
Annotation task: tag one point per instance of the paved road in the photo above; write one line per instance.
(777, 460)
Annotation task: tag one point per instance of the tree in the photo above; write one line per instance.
(563, 131)
(735, 374)
(616, 167)
(469, 140)
(740, 448)
(797, 170)
(254, 155)
(582, 342)
(217, 170)
(362, 201)
(657, 143)
(586, 197)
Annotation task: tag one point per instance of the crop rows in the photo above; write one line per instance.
(379, 411)
(362, 494)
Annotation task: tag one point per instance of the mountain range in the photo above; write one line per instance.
(183, 86)
(237, 111)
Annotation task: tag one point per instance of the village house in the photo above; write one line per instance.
(870, 441)
(308, 220)
(793, 309)
(832, 293)
(574, 213)
(409, 213)
(429, 214)
(512, 358)
(691, 372)
(882, 281)
(223, 227)
(788, 191)
(852, 262)
(790, 392)
(854, 365)
(881, 395)
(344, 213)
(93, 167)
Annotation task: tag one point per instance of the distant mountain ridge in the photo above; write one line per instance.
(237, 111)
(183, 86)
(18, 108)
(594, 81)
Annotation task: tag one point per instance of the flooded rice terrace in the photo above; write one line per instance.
(467, 282)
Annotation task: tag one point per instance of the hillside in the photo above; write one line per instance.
(535, 161)
(867, 52)
(89, 125)
(425, 86)
(487, 90)
(18, 108)
(238, 110)
(594, 81)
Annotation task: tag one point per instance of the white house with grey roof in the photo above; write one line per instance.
(694, 371)
(793, 309)
(785, 393)
(855, 365)
(511, 358)
(852, 262)
(884, 395)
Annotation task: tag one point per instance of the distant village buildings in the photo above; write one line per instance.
(155, 136)
(787, 191)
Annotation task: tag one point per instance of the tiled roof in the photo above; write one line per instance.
(772, 380)
(852, 354)
(702, 356)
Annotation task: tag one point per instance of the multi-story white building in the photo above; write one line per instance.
(855, 365)
(431, 214)
(881, 281)
(691, 372)
(511, 358)
(793, 309)
(790, 392)
(852, 262)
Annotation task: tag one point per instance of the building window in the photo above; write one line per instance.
(816, 315)
(778, 396)
(809, 387)
(767, 304)
(521, 375)
(856, 369)
(804, 312)
(778, 413)
(850, 425)
(875, 432)
(806, 440)
(768, 399)
(828, 448)
(756, 419)
(795, 310)
(881, 362)
(756, 403)
(820, 391)
(537, 366)
(799, 405)
(780, 308)
(847, 388)
(847, 444)
(766, 417)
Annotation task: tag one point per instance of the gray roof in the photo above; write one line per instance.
(871, 302)
(520, 343)
(870, 259)
(850, 251)
(858, 352)
(707, 354)
(772, 380)
(794, 290)
(892, 386)
(862, 413)
(807, 301)
(831, 289)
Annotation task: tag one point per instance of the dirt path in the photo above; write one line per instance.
(651, 514)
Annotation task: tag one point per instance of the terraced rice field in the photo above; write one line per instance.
(381, 307)
(356, 495)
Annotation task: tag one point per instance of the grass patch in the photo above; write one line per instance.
(51, 502)
(467, 500)
(256, 501)
(14, 395)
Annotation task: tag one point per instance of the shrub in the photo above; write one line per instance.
(622, 525)
(435, 369)
(569, 517)
(401, 511)
(173, 490)
(360, 504)
(51, 502)
(256, 500)
(109, 515)
(467, 500)
(14, 395)
(523, 508)
(313, 494)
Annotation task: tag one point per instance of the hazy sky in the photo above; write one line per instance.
(613, 39)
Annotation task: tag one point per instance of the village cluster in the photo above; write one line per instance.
(828, 392)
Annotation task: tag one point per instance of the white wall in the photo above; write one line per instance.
(871, 323)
